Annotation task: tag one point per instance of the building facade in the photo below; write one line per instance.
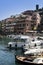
(23, 23)
(8, 26)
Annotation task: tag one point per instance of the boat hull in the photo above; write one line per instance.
(26, 62)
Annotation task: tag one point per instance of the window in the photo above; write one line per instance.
(19, 40)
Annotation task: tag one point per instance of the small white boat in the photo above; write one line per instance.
(34, 51)
(35, 43)
(19, 40)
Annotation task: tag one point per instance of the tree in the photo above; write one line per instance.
(39, 28)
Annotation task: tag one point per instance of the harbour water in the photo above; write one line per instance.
(7, 56)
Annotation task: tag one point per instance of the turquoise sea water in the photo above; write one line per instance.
(7, 57)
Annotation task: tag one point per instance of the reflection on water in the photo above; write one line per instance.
(7, 57)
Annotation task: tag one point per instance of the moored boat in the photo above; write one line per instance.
(25, 42)
(30, 60)
(19, 41)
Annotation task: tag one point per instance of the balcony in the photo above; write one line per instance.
(11, 24)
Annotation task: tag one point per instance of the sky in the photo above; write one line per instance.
(13, 7)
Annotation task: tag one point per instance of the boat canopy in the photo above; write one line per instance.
(38, 60)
